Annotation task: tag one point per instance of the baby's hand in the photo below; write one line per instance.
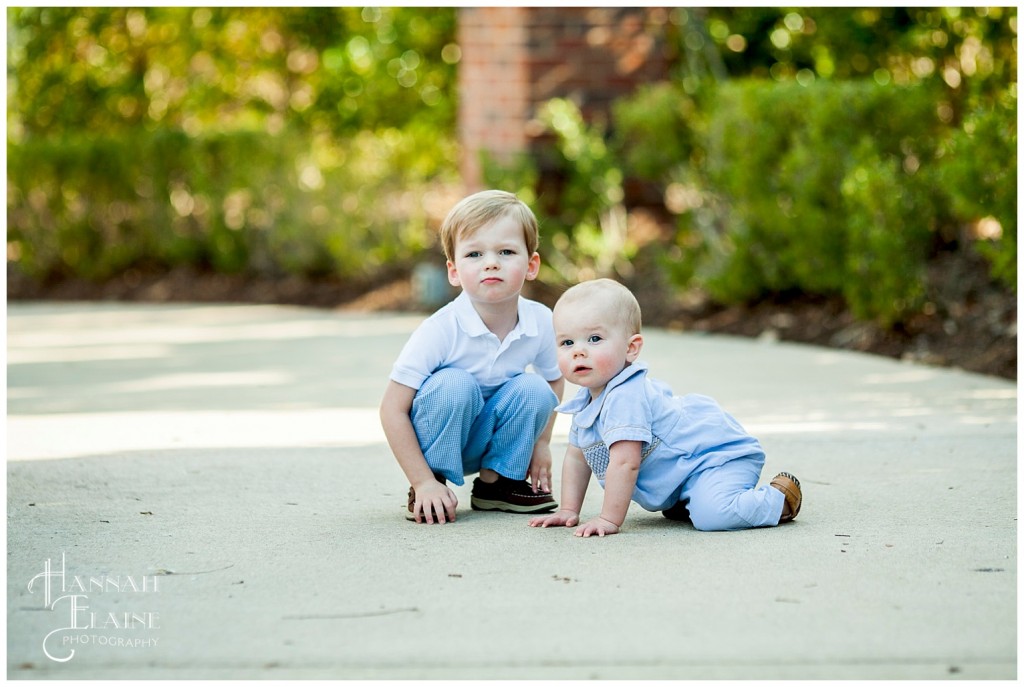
(560, 518)
(598, 526)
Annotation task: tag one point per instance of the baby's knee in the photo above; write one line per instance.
(711, 516)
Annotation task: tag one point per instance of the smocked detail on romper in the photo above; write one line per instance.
(597, 456)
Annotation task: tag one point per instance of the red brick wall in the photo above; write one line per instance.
(515, 58)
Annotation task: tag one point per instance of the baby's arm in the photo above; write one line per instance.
(619, 483)
(432, 497)
(575, 478)
(540, 462)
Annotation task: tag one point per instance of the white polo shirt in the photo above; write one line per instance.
(455, 336)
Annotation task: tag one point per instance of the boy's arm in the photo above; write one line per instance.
(619, 483)
(432, 497)
(575, 479)
(539, 473)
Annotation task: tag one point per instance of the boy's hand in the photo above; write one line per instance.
(434, 501)
(560, 518)
(598, 526)
(539, 474)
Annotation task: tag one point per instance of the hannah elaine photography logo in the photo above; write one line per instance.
(70, 597)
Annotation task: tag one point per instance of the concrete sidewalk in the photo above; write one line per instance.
(205, 492)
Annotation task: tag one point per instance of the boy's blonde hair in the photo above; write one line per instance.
(480, 209)
(609, 294)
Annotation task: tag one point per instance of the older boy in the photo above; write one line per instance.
(459, 399)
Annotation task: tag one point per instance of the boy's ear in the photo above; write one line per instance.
(636, 342)
(533, 267)
(453, 275)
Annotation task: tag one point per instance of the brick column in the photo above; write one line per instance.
(516, 58)
(493, 89)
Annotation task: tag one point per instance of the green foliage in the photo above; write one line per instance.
(93, 206)
(301, 140)
(655, 130)
(826, 188)
(201, 69)
(968, 52)
(979, 171)
(887, 227)
(778, 156)
(268, 140)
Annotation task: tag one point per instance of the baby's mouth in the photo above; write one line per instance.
(580, 369)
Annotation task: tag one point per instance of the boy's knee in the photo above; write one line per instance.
(451, 381)
(447, 393)
(533, 391)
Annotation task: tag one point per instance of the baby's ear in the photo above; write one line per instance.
(636, 342)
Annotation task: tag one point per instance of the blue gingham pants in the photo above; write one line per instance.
(460, 432)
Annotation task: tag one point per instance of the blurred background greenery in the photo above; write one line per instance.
(829, 151)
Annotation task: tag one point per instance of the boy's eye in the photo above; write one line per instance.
(594, 338)
(566, 343)
(507, 251)
(473, 254)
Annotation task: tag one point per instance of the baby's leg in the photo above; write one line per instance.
(725, 497)
(507, 428)
(443, 412)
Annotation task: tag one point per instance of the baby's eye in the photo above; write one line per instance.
(473, 254)
(507, 251)
(594, 338)
(566, 342)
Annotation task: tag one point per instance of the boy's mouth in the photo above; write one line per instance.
(580, 369)
(491, 280)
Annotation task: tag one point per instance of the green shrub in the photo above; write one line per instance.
(656, 130)
(236, 202)
(979, 172)
(825, 188)
(887, 231)
(778, 155)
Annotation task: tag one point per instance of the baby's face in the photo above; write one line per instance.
(593, 344)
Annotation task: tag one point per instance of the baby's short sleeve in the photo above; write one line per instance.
(574, 436)
(626, 414)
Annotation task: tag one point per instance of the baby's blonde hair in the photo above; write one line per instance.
(480, 209)
(607, 293)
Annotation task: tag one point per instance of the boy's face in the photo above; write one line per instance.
(593, 344)
(492, 265)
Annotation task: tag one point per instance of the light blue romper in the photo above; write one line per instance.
(692, 451)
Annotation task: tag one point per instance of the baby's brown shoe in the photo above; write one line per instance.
(790, 488)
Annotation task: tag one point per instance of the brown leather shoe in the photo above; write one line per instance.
(790, 488)
(412, 498)
(511, 496)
